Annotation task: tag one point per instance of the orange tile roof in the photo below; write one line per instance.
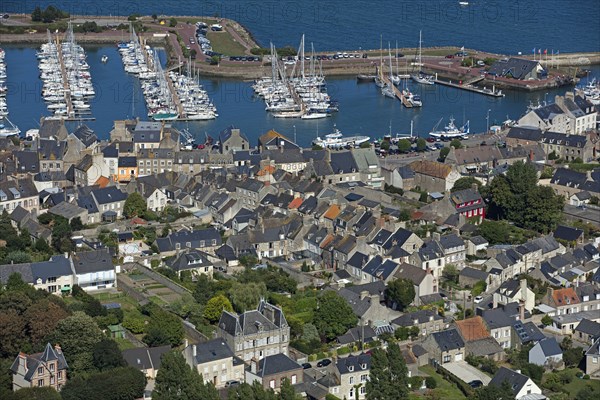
(270, 135)
(102, 182)
(332, 212)
(267, 170)
(295, 203)
(472, 329)
(328, 239)
(563, 297)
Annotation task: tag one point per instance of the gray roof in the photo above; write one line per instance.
(484, 347)
(515, 380)
(521, 133)
(193, 237)
(356, 334)
(57, 266)
(144, 357)
(19, 188)
(418, 350)
(189, 260)
(448, 340)
(422, 316)
(474, 273)
(518, 68)
(410, 272)
(268, 317)
(92, 261)
(36, 360)
(528, 332)
(350, 364)
(276, 364)
(342, 162)
(24, 270)
(67, 210)
(85, 135)
(568, 233)
(496, 318)
(550, 347)
(213, 350)
(589, 327)
(452, 240)
(564, 139)
(109, 194)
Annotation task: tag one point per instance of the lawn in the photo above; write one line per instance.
(124, 344)
(444, 390)
(577, 384)
(224, 43)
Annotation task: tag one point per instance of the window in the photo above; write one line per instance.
(363, 390)
(40, 382)
(595, 360)
(363, 377)
(52, 279)
(59, 375)
(351, 395)
(294, 379)
(351, 380)
(40, 370)
(272, 383)
(52, 382)
(446, 358)
(51, 367)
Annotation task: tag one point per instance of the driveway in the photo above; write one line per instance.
(466, 372)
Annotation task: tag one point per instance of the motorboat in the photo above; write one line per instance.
(336, 140)
(450, 131)
(7, 128)
(104, 59)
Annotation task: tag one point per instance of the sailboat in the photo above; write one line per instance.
(388, 89)
(420, 77)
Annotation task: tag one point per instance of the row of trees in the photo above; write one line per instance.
(50, 14)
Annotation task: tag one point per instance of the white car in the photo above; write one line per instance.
(478, 299)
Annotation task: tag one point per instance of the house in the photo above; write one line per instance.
(587, 331)
(430, 258)
(428, 321)
(468, 276)
(251, 192)
(48, 368)
(468, 203)
(215, 362)
(499, 324)
(401, 177)
(18, 192)
(110, 201)
(363, 334)
(367, 164)
(424, 281)
(147, 135)
(271, 371)
(454, 249)
(433, 176)
(521, 385)
(518, 68)
(548, 117)
(88, 170)
(146, 359)
(53, 129)
(523, 136)
(592, 360)
(567, 146)
(231, 140)
(201, 239)
(350, 372)
(471, 160)
(568, 182)
(193, 261)
(569, 234)
(365, 301)
(54, 276)
(445, 346)
(569, 114)
(515, 290)
(563, 301)
(546, 353)
(70, 211)
(127, 169)
(472, 329)
(526, 333)
(94, 270)
(256, 333)
(155, 161)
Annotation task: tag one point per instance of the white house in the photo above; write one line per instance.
(546, 353)
(94, 270)
(521, 385)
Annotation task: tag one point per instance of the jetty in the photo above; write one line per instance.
(470, 86)
(397, 92)
(65, 79)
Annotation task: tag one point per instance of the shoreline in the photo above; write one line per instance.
(566, 64)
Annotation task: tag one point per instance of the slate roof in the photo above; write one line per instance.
(92, 261)
(518, 68)
(50, 128)
(88, 203)
(350, 364)
(189, 260)
(568, 177)
(308, 205)
(422, 316)
(182, 237)
(550, 347)
(410, 272)
(34, 361)
(356, 334)
(144, 357)
(147, 132)
(342, 162)
(448, 340)
(496, 318)
(107, 195)
(464, 196)
(85, 135)
(247, 323)
(568, 233)
(564, 139)
(276, 364)
(527, 332)
(451, 241)
(67, 210)
(21, 188)
(515, 380)
(474, 273)
(522, 133)
(214, 350)
(6, 270)
(358, 260)
(483, 347)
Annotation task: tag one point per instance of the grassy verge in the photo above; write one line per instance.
(444, 390)
(224, 43)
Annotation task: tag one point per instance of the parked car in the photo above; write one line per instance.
(324, 363)
(476, 384)
(478, 299)
(232, 383)
(306, 366)
(450, 56)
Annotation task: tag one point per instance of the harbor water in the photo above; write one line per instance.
(363, 110)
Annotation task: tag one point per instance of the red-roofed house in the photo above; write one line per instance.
(295, 203)
(565, 301)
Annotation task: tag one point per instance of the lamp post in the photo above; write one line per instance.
(295, 134)
(487, 122)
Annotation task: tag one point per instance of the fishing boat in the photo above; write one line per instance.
(421, 77)
(104, 59)
(450, 131)
(336, 140)
(7, 128)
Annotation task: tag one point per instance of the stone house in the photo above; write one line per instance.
(546, 353)
(500, 326)
(428, 321)
(349, 372)
(272, 370)
(521, 385)
(215, 362)
(146, 359)
(18, 192)
(445, 346)
(46, 369)
(256, 333)
(592, 360)
(433, 176)
(232, 139)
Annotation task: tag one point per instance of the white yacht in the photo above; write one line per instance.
(336, 140)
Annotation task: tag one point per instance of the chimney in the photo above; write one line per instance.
(185, 343)
(495, 302)
(523, 289)
(522, 310)
(436, 236)
(364, 294)
(194, 351)
(588, 174)
(531, 157)
(57, 348)
(254, 365)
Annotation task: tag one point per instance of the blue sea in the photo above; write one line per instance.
(506, 26)
(350, 24)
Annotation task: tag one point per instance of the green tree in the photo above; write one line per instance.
(154, 17)
(379, 386)
(245, 296)
(398, 371)
(403, 145)
(35, 393)
(239, 392)
(587, 392)
(385, 145)
(76, 224)
(107, 355)
(135, 205)
(172, 22)
(547, 320)
(450, 273)
(41, 246)
(77, 336)
(478, 288)
(465, 182)
(164, 328)
(215, 306)
(117, 384)
(177, 380)
(493, 392)
(421, 144)
(401, 292)
(456, 144)
(443, 153)
(36, 15)
(310, 333)
(334, 316)
(287, 391)
(42, 318)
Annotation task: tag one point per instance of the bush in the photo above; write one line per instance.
(172, 22)
(430, 382)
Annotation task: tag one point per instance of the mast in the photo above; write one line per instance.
(419, 61)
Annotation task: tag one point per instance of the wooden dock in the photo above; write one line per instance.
(397, 91)
(65, 79)
(469, 86)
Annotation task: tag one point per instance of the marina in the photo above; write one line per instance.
(469, 86)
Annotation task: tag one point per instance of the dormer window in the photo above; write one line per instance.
(351, 368)
(363, 366)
